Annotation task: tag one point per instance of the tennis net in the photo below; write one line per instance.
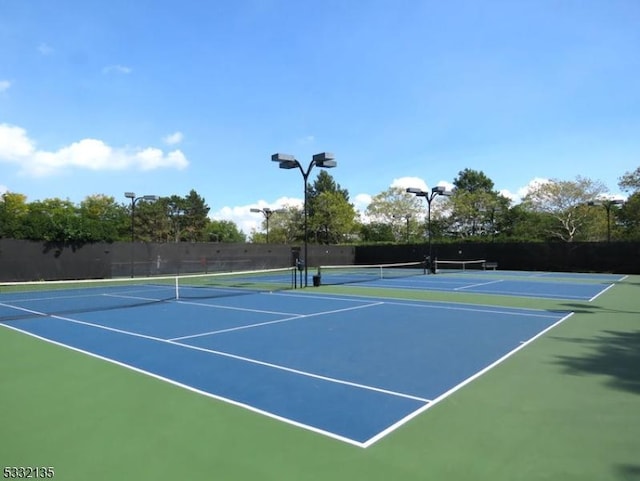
(445, 266)
(346, 274)
(26, 299)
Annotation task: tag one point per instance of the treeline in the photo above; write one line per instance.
(557, 210)
(101, 218)
(561, 210)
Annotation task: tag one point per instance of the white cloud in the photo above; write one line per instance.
(118, 69)
(3, 189)
(247, 220)
(361, 201)
(14, 143)
(90, 154)
(4, 85)
(173, 139)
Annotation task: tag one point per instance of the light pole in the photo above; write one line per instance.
(267, 215)
(607, 204)
(429, 196)
(324, 160)
(134, 199)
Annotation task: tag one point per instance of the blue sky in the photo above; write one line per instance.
(161, 97)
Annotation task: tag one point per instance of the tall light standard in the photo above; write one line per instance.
(607, 204)
(429, 196)
(267, 215)
(134, 199)
(324, 160)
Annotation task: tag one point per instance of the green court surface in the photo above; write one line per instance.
(566, 407)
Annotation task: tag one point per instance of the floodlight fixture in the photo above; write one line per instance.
(435, 191)
(129, 195)
(289, 164)
(325, 160)
(282, 158)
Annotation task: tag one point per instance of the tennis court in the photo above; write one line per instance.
(353, 364)
(474, 279)
(347, 367)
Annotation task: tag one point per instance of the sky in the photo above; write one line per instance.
(161, 97)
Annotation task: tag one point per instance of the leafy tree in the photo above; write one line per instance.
(476, 208)
(55, 220)
(324, 182)
(473, 181)
(195, 218)
(331, 218)
(223, 231)
(175, 207)
(398, 210)
(334, 218)
(522, 224)
(630, 181)
(104, 219)
(13, 210)
(377, 232)
(151, 221)
(628, 216)
(285, 227)
(567, 202)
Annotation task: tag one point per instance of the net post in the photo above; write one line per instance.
(177, 289)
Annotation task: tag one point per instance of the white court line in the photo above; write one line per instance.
(266, 323)
(222, 353)
(204, 304)
(435, 304)
(459, 386)
(366, 444)
(478, 285)
(193, 389)
(601, 292)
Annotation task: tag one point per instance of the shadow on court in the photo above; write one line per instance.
(587, 308)
(615, 354)
(628, 472)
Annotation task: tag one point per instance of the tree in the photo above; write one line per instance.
(285, 227)
(377, 232)
(104, 219)
(398, 210)
(195, 217)
(151, 221)
(13, 210)
(522, 224)
(174, 207)
(54, 220)
(331, 218)
(223, 231)
(567, 202)
(476, 208)
(628, 216)
(473, 181)
(630, 181)
(334, 218)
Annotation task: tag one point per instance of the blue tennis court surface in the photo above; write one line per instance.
(542, 285)
(352, 368)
